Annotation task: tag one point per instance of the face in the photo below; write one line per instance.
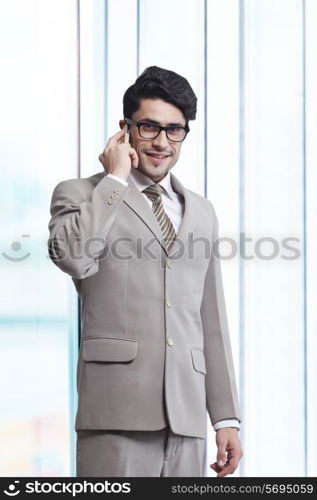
(167, 152)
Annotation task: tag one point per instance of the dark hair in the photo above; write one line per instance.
(159, 83)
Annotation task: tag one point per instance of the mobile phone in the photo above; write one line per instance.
(127, 133)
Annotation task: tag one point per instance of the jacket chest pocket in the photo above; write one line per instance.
(198, 359)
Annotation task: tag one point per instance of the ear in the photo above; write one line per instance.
(121, 123)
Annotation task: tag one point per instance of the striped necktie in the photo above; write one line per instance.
(154, 193)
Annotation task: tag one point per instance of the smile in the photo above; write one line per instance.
(156, 158)
(157, 155)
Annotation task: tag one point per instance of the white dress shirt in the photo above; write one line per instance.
(173, 204)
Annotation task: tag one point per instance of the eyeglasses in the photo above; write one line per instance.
(150, 131)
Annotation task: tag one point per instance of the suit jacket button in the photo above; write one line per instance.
(170, 342)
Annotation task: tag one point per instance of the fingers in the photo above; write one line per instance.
(134, 158)
(118, 155)
(215, 467)
(221, 454)
(118, 137)
(221, 466)
(228, 456)
(230, 464)
(228, 468)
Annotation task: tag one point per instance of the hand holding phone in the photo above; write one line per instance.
(118, 157)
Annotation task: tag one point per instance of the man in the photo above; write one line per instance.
(155, 353)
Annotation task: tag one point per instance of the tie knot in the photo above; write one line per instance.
(153, 191)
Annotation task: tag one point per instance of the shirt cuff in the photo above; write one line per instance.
(116, 178)
(233, 422)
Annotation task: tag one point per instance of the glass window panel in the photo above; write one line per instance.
(93, 69)
(222, 144)
(172, 37)
(272, 201)
(38, 130)
(311, 231)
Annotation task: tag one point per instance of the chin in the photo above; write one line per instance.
(152, 171)
(158, 175)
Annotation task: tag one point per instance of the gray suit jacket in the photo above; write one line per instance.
(155, 345)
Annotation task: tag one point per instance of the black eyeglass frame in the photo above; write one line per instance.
(138, 124)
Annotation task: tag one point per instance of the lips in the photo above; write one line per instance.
(158, 156)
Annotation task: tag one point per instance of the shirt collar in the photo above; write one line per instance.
(142, 181)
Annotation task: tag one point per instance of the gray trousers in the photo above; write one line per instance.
(139, 454)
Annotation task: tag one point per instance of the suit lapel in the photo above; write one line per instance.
(135, 200)
(190, 218)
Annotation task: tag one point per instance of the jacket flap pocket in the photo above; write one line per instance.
(109, 349)
(198, 358)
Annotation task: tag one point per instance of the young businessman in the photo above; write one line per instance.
(155, 352)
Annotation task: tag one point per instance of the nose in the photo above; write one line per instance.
(161, 140)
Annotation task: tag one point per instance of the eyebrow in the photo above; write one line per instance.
(173, 124)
